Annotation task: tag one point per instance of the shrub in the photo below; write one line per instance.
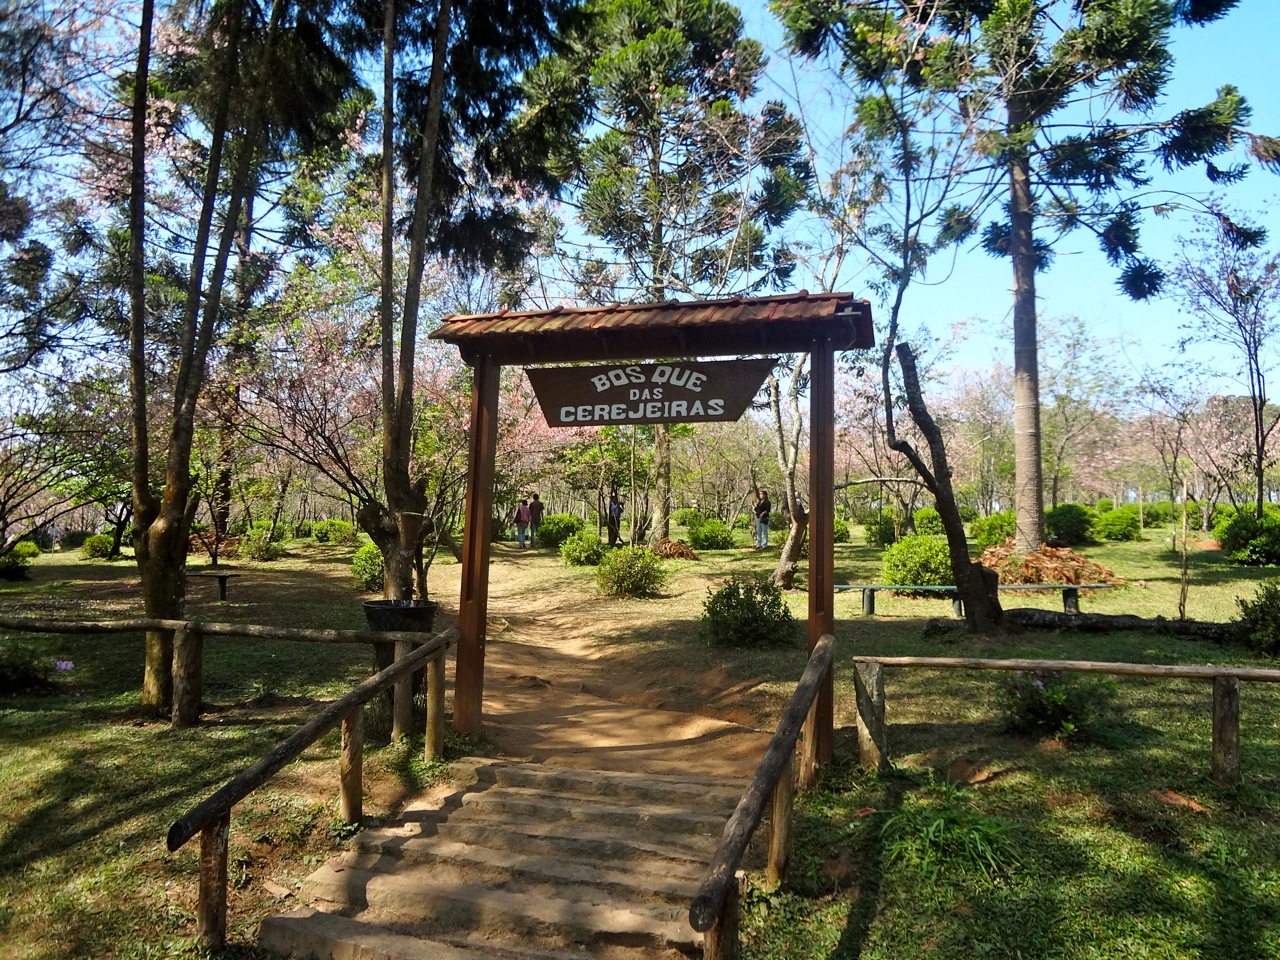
(777, 521)
(556, 528)
(583, 549)
(303, 529)
(15, 565)
(1104, 504)
(746, 612)
(746, 521)
(882, 528)
(74, 539)
(711, 534)
(1157, 514)
(257, 544)
(366, 567)
(920, 561)
(1249, 540)
(338, 532)
(841, 532)
(631, 572)
(1258, 626)
(22, 670)
(97, 547)
(1051, 703)
(928, 522)
(1072, 523)
(688, 517)
(993, 530)
(1118, 525)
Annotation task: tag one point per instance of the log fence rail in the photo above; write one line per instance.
(211, 818)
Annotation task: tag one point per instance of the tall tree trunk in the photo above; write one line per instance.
(1028, 482)
(402, 522)
(787, 450)
(976, 585)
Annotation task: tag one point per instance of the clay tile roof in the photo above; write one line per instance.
(788, 323)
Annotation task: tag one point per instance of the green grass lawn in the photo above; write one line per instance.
(1043, 849)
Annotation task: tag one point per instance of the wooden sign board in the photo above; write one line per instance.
(675, 392)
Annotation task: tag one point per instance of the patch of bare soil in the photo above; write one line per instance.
(557, 691)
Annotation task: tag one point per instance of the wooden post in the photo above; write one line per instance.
(873, 748)
(868, 603)
(721, 941)
(1070, 600)
(822, 452)
(473, 605)
(211, 918)
(351, 767)
(808, 772)
(780, 823)
(435, 708)
(1226, 730)
(188, 679)
(402, 700)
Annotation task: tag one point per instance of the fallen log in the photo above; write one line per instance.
(1027, 618)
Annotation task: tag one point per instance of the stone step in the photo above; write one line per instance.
(508, 803)
(549, 915)
(310, 934)
(471, 863)
(683, 856)
(686, 791)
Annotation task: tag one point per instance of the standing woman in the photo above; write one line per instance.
(763, 508)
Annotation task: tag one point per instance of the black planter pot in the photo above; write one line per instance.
(413, 616)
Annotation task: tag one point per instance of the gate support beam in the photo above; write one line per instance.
(822, 471)
(473, 605)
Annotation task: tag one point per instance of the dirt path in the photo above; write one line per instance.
(554, 694)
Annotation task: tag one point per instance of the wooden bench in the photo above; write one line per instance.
(1070, 593)
(221, 577)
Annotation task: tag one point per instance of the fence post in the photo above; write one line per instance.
(211, 919)
(780, 822)
(873, 746)
(1226, 730)
(435, 707)
(188, 679)
(721, 941)
(402, 699)
(351, 767)
(808, 774)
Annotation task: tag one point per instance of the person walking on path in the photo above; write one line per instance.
(763, 508)
(535, 519)
(521, 519)
(615, 520)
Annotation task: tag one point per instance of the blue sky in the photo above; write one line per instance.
(1241, 49)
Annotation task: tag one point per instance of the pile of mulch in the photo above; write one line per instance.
(673, 550)
(1046, 565)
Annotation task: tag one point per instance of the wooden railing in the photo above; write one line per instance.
(212, 817)
(714, 910)
(1225, 764)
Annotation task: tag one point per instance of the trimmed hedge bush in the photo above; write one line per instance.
(97, 547)
(258, 544)
(1072, 523)
(15, 565)
(1258, 626)
(711, 534)
(556, 528)
(583, 549)
(882, 528)
(366, 567)
(928, 522)
(1118, 525)
(688, 517)
(746, 612)
(840, 534)
(993, 530)
(337, 532)
(919, 561)
(631, 572)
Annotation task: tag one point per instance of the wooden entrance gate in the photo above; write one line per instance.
(818, 324)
